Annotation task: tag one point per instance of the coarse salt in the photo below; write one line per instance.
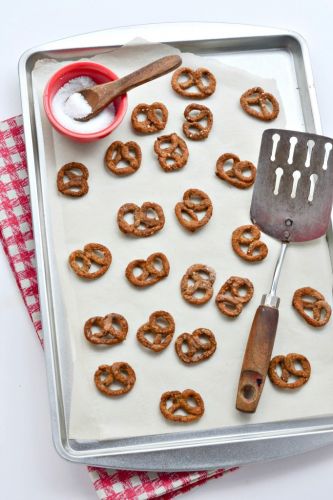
(68, 104)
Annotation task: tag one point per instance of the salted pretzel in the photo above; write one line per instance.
(236, 174)
(194, 202)
(201, 78)
(199, 122)
(92, 253)
(161, 326)
(76, 184)
(120, 372)
(172, 152)
(150, 274)
(197, 284)
(147, 219)
(256, 98)
(112, 329)
(312, 306)
(287, 365)
(181, 401)
(128, 152)
(155, 117)
(229, 300)
(256, 249)
(200, 345)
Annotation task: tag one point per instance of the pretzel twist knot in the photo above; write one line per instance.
(288, 369)
(92, 253)
(148, 219)
(108, 333)
(229, 300)
(312, 306)
(76, 184)
(180, 401)
(120, 372)
(161, 326)
(194, 202)
(156, 117)
(257, 98)
(249, 236)
(201, 78)
(150, 273)
(128, 152)
(197, 284)
(199, 122)
(172, 152)
(236, 174)
(201, 345)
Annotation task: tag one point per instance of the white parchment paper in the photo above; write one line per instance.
(92, 218)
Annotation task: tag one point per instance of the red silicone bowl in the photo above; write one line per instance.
(100, 74)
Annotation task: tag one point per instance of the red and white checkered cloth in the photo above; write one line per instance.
(18, 242)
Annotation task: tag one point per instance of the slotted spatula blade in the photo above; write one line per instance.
(291, 201)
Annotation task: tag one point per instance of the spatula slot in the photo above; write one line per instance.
(296, 178)
(293, 142)
(310, 145)
(278, 174)
(328, 148)
(313, 181)
(275, 139)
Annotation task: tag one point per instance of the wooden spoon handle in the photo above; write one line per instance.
(143, 75)
(257, 358)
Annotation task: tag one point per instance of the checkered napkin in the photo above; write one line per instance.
(18, 243)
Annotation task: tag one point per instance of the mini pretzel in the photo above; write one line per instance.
(201, 345)
(229, 300)
(194, 78)
(174, 156)
(108, 334)
(77, 183)
(194, 201)
(150, 274)
(129, 152)
(120, 372)
(156, 116)
(203, 278)
(144, 224)
(162, 326)
(259, 98)
(193, 122)
(321, 310)
(91, 253)
(180, 401)
(235, 175)
(288, 368)
(257, 250)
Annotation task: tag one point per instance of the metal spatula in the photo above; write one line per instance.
(292, 201)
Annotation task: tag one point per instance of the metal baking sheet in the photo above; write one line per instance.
(268, 52)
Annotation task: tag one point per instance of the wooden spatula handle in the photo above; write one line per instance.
(257, 358)
(153, 70)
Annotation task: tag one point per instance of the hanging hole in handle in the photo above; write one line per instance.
(248, 392)
(293, 142)
(275, 139)
(328, 147)
(310, 145)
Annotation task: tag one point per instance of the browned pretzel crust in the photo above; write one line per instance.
(77, 183)
(161, 326)
(130, 152)
(235, 175)
(229, 300)
(108, 333)
(201, 345)
(144, 224)
(174, 156)
(257, 250)
(198, 278)
(120, 372)
(156, 117)
(91, 253)
(316, 303)
(259, 98)
(150, 274)
(194, 201)
(180, 400)
(288, 368)
(194, 78)
(201, 122)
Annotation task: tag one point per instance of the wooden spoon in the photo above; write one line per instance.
(100, 96)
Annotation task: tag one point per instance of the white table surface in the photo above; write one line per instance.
(30, 467)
